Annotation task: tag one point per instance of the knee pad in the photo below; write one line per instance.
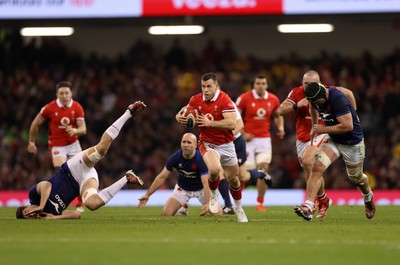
(356, 175)
(263, 158)
(95, 156)
(88, 193)
(323, 158)
(250, 164)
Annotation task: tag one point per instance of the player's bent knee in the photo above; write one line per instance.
(244, 176)
(95, 156)
(307, 162)
(214, 171)
(166, 213)
(356, 175)
(87, 194)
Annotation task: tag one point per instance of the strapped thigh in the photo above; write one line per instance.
(323, 158)
(88, 193)
(95, 156)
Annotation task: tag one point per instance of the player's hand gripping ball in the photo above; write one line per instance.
(191, 114)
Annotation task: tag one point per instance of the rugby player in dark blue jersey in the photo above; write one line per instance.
(50, 199)
(344, 138)
(192, 178)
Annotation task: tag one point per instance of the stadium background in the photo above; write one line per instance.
(114, 61)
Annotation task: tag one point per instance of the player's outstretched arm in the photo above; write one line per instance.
(157, 183)
(207, 192)
(33, 131)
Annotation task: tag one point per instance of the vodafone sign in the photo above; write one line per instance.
(210, 7)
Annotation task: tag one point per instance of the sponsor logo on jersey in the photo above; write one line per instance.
(325, 117)
(56, 206)
(60, 201)
(65, 121)
(261, 113)
(188, 174)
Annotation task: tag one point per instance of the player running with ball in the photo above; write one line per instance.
(216, 120)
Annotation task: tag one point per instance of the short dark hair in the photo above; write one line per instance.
(209, 76)
(315, 91)
(257, 77)
(20, 212)
(63, 84)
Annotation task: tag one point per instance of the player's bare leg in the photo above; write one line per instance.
(356, 175)
(231, 175)
(96, 153)
(262, 188)
(94, 200)
(322, 201)
(211, 159)
(91, 199)
(171, 207)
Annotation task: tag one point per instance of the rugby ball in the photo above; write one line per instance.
(191, 114)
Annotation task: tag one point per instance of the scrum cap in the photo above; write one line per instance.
(315, 91)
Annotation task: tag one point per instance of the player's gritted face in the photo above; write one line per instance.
(188, 145)
(209, 88)
(260, 86)
(64, 94)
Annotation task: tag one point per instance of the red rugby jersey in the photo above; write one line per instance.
(257, 111)
(214, 108)
(59, 117)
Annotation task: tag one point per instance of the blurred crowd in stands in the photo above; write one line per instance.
(165, 82)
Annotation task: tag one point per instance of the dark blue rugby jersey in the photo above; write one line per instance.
(64, 190)
(190, 171)
(338, 105)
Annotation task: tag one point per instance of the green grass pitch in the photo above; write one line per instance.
(128, 235)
